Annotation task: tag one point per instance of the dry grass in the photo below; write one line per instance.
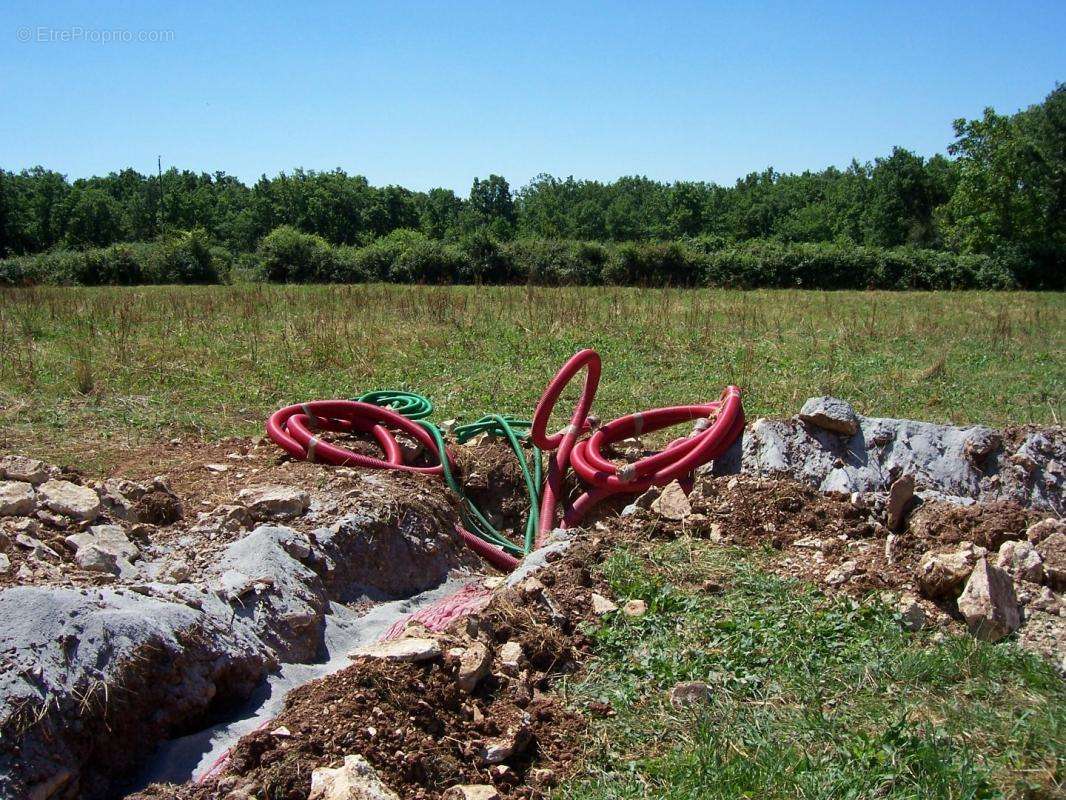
(81, 364)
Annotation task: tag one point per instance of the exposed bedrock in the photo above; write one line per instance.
(961, 464)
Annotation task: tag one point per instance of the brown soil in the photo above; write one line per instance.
(412, 722)
(491, 476)
(825, 530)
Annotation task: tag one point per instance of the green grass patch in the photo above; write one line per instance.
(216, 360)
(813, 697)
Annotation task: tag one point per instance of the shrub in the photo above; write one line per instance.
(655, 264)
(407, 256)
(484, 261)
(375, 261)
(428, 262)
(287, 255)
(119, 264)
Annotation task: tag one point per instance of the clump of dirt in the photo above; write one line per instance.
(158, 508)
(491, 476)
(986, 524)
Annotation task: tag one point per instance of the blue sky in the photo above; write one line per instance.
(434, 94)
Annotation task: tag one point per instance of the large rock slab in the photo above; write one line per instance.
(831, 414)
(279, 597)
(17, 498)
(961, 463)
(156, 664)
(378, 554)
(989, 603)
(79, 503)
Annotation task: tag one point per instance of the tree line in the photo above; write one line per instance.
(1000, 193)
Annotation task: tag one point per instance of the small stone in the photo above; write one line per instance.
(989, 604)
(23, 469)
(912, 615)
(17, 499)
(5, 564)
(412, 649)
(891, 548)
(216, 468)
(472, 791)
(690, 693)
(274, 502)
(543, 777)
(942, 575)
(1021, 561)
(495, 751)
(1053, 551)
(832, 414)
(1043, 529)
(673, 503)
(900, 498)
(281, 732)
(531, 587)
(94, 559)
(648, 497)
(1046, 600)
(355, 780)
(474, 664)
(70, 500)
(410, 448)
(635, 608)
(174, 571)
(980, 444)
(510, 655)
(601, 605)
(842, 574)
(109, 538)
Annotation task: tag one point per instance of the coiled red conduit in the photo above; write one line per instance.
(717, 425)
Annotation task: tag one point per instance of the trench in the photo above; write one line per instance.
(189, 757)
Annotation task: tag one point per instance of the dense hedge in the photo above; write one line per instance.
(286, 255)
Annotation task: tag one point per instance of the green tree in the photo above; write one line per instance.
(491, 206)
(93, 218)
(1011, 191)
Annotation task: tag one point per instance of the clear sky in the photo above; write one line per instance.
(427, 94)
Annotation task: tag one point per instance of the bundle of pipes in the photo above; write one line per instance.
(381, 414)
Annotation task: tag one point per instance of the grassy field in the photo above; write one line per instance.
(81, 364)
(811, 697)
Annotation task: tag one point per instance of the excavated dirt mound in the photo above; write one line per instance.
(822, 531)
(413, 723)
(134, 611)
